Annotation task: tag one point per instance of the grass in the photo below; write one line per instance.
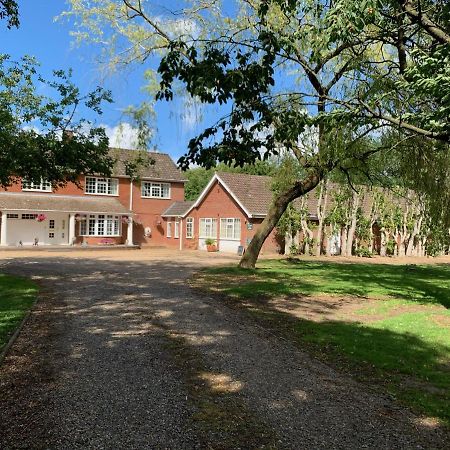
(400, 337)
(16, 298)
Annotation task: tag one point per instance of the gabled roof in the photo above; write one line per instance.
(17, 201)
(177, 209)
(251, 192)
(163, 168)
(254, 194)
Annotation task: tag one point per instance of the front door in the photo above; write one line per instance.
(56, 230)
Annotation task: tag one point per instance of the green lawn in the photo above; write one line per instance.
(399, 335)
(16, 298)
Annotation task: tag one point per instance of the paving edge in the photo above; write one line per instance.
(16, 333)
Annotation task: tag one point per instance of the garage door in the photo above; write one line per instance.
(23, 227)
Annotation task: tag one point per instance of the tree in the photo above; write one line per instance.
(296, 68)
(39, 136)
(42, 137)
(9, 10)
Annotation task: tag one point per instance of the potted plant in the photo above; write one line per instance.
(211, 245)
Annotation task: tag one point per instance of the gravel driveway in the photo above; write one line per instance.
(122, 354)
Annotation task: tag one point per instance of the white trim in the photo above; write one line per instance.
(208, 188)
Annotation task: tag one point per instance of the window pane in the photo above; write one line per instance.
(189, 227)
(165, 192)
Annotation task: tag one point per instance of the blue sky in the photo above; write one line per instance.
(50, 42)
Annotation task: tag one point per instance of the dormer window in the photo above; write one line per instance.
(101, 186)
(43, 186)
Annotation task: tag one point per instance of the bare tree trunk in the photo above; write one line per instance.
(276, 210)
(321, 212)
(385, 235)
(353, 219)
(371, 237)
(344, 238)
(308, 236)
(415, 232)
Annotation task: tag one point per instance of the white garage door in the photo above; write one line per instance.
(23, 227)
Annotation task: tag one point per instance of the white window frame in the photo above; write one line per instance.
(109, 185)
(176, 229)
(150, 189)
(190, 228)
(233, 224)
(107, 224)
(204, 224)
(169, 229)
(43, 186)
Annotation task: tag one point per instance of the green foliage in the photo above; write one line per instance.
(42, 137)
(9, 10)
(363, 252)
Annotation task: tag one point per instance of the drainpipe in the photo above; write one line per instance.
(181, 233)
(131, 194)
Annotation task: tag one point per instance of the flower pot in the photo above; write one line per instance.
(211, 248)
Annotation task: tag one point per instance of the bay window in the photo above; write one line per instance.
(230, 228)
(100, 225)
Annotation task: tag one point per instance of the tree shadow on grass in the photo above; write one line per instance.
(415, 370)
(421, 284)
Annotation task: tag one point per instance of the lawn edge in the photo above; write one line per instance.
(5, 350)
(376, 385)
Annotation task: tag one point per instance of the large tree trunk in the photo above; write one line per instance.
(276, 210)
(353, 220)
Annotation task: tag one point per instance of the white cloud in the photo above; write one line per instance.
(123, 135)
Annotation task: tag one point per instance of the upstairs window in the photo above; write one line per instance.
(101, 186)
(155, 190)
(43, 186)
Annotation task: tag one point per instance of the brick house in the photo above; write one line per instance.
(229, 210)
(96, 210)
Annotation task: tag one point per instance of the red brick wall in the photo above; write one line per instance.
(218, 203)
(149, 210)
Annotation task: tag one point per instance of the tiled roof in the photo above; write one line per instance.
(162, 169)
(10, 201)
(252, 191)
(177, 209)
